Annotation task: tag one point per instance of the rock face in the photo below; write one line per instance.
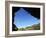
(14, 28)
(36, 27)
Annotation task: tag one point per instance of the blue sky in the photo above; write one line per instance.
(23, 19)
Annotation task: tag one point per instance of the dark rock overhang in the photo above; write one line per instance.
(35, 11)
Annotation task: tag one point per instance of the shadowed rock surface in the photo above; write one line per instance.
(14, 28)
